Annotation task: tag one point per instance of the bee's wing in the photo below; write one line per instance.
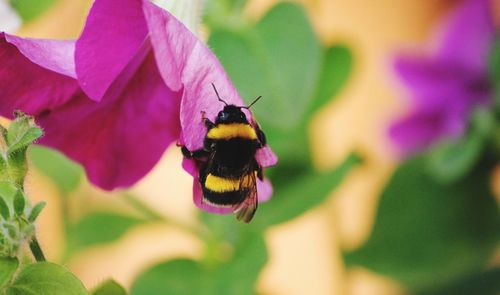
(246, 210)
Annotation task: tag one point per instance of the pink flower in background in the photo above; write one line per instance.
(447, 86)
(134, 82)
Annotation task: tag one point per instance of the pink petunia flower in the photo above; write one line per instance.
(134, 82)
(451, 83)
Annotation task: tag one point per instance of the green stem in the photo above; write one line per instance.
(142, 208)
(36, 250)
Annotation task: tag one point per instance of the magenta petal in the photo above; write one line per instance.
(31, 78)
(429, 79)
(266, 157)
(119, 139)
(113, 34)
(264, 190)
(470, 34)
(199, 96)
(189, 165)
(413, 134)
(420, 129)
(186, 61)
(54, 55)
(172, 46)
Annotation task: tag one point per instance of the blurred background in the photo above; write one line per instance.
(335, 160)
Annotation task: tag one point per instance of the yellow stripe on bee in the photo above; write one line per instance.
(221, 184)
(235, 130)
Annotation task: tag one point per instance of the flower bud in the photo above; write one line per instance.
(14, 142)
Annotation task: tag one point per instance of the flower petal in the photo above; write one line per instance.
(442, 104)
(121, 138)
(264, 190)
(430, 78)
(113, 34)
(171, 41)
(190, 166)
(266, 157)
(54, 55)
(423, 127)
(187, 64)
(187, 11)
(185, 61)
(30, 62)
(469, 35)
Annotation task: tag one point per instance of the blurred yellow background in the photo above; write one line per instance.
(305, 253)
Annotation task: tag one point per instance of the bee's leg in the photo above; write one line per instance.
(260, 173)
(260, 135)
(259, 170)
(209, 124)
(194, 154)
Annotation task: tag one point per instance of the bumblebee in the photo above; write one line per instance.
(228, 176)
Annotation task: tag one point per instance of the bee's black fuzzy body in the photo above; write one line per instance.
(228, 176)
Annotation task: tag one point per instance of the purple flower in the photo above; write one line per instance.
(134, 82)
(447, 86)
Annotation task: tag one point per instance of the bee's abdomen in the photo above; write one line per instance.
(225, 199)
(222, 184)
(226, 191)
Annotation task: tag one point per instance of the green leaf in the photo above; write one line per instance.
(224, 13)
(35, 211)
(45, 278)
(4, 209)
(451, 160)
(336, 68)
(427, 233)
(8, 267)
(278, 58)
(29, 9)
(30, 135)
(64, 172)
(7, 192)
(110, 287)
(291, 146)
(483, 283)
(22, 132)
(296, 194)
(99, 228)
(249, 257)
(494, 60)
(19, 203)
(495, 70)
(176, 277)
(185, 277)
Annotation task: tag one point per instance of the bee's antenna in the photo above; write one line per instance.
(253, 102)
(216, 92)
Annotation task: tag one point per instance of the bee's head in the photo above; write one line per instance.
(231, 114)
